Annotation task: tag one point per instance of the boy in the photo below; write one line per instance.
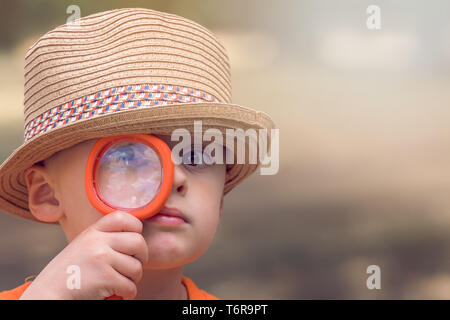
(123, 71)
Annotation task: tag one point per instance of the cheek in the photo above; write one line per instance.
(79, 212)
(206, 196)
(207, 215)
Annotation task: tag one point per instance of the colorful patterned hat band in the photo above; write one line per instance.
(111, 100)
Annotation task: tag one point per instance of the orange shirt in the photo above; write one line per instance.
(194, 293)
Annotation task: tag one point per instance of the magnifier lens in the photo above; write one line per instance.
(129, 175)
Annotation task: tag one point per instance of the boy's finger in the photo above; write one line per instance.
(119, 221)
(123, 287)
(128, 266)
(130, 243)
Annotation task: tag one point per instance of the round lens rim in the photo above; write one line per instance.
(161, 149)
(97, 165)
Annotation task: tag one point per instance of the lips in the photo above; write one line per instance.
(172, 212)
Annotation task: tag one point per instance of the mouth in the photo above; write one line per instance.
(169, 216)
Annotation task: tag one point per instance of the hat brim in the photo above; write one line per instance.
(156, 120)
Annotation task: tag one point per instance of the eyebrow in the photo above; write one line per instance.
(170, 143)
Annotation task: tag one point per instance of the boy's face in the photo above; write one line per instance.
(197, 192)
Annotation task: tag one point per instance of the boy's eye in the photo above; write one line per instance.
(122, 154)
(194, 158)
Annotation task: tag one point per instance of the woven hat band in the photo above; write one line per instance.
(112, 100)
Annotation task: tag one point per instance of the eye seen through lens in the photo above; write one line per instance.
(129, 175)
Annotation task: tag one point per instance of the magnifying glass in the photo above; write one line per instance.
(132, 173)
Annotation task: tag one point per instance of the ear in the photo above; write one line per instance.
(42, 202)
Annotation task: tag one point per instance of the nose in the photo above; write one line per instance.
(179, 180)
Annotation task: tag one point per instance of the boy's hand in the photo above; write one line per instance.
(109, 254)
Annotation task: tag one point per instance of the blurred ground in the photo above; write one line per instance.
(364, 164)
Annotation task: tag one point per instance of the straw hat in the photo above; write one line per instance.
(116, 72)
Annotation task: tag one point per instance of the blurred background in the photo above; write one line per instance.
(364, 173)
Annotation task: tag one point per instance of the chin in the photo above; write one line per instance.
(163, 265)
(167, 259)
(170, 254)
